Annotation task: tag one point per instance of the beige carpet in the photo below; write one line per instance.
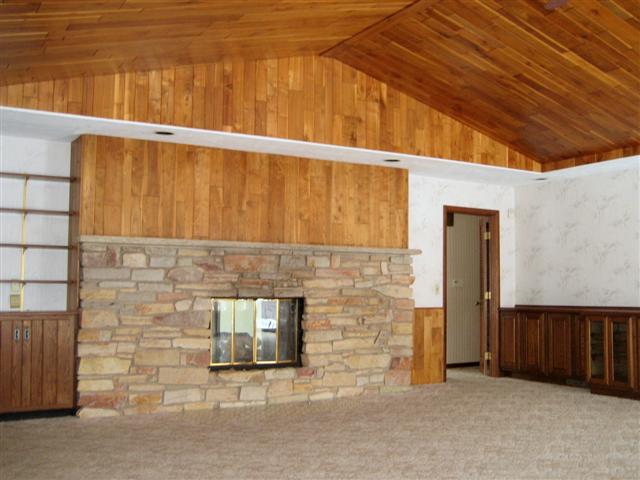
(472, 427)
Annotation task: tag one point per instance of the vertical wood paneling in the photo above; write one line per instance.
(302, 98)
(428, 346)
(6, 362)
(36, 362)
(138, 188)
(592, 158)
(49, 362)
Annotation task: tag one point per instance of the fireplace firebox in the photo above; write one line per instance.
(256, 332)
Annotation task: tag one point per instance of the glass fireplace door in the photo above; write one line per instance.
(255, 332)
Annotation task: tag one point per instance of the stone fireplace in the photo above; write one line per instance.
(144, 343)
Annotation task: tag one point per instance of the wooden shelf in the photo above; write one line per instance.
(37, 246)
(45, 282)
(30, 211)
(35, 176)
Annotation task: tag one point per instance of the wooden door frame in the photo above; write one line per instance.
(494, 282)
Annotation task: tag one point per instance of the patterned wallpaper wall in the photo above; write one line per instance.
(578, 240)
(427, 196)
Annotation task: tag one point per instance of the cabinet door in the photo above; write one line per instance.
(532, 324)
(558, 339)
(620, 347)
(509, 342)
(10, 365)
(579, 348)
(598, 364)
(37, 359)
(58, 363)
(636, 335)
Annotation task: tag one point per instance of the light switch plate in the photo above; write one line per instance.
(15, 288)
(14, 301)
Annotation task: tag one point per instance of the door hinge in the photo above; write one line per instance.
(487, 295)
(487, 235)
(487, 355)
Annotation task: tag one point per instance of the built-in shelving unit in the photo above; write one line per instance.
(24, 245)
(36, 176)
(32, 211)
(38, 336)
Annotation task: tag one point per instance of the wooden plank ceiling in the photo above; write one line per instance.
(54, 39)
(550, 83)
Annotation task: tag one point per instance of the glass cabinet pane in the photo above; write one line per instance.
(287, 328)
(620, 338)
(266, 329)
(243, 333)
(596, 327)
(222, 326)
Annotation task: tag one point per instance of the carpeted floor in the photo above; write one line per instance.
(472, 427)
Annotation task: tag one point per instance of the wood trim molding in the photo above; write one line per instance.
(6, 315)
(573, 309)
(494, 287)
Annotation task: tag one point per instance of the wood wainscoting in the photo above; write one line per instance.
(598, 346)
(153, 189)
(37, 361)
(428, 346)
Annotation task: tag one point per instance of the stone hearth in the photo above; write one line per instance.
(144, 337)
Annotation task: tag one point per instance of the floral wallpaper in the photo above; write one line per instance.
(427, 196)
(578, 240)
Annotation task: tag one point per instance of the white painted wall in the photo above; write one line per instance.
(427, 197)
(578, 240)
(19, 154)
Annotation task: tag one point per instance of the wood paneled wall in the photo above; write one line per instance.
(428, 346)
(152, 189)
(591, 158)
(302, 98)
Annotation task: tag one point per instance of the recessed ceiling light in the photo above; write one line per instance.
(541, 179)
(163, 132)
(391, 160)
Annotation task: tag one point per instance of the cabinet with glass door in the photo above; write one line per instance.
(611, 352)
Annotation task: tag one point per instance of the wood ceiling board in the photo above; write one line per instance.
(551, 84)
(53, 39)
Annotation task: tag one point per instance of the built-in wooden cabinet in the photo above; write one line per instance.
(612, 352)
(37, 360)
(591, 345)
(510, 351)
(559, 341)
(533, 344)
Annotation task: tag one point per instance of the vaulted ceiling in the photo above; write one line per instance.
(550, 83)
(550, 78)
(49, 39)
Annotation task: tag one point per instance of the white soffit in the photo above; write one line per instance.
(66, 127)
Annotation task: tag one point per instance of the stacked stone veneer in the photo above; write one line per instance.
(144, 338)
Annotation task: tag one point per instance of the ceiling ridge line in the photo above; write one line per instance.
(373, 28)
